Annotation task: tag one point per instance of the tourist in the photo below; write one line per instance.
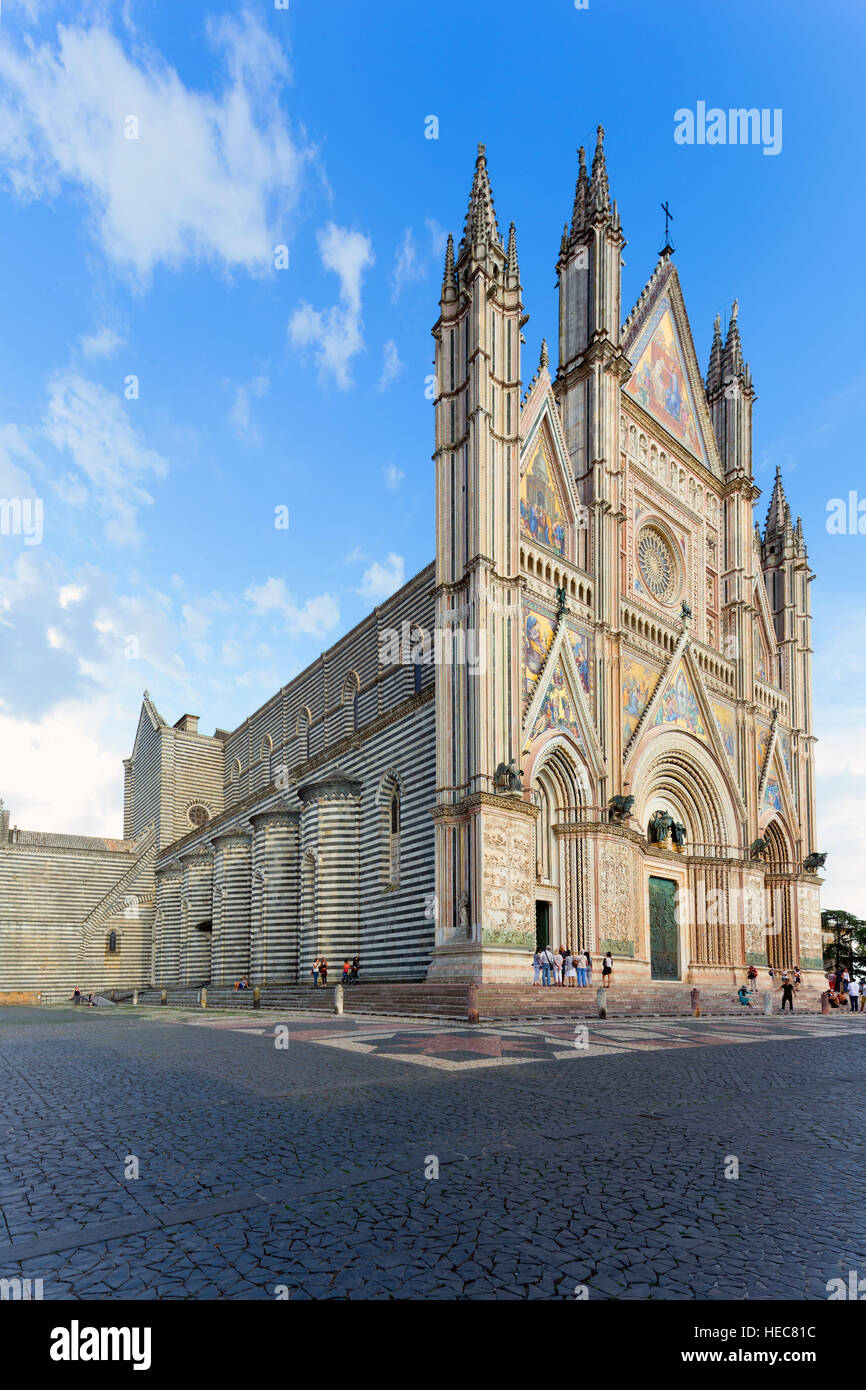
(323, 970)
(356, 966)
(787, 993)
(90, 1001)
(588, 967)
(546, 965)
(581, 969)
(346, 969)
(607, 970)
(315, 972)
(798, 978)
(837, 980)
(752, 976)
(771, 971)
(76, 995)
(570, 970)
(846, 981)
(567, 959)
(743, 996)
(854, 995)
(557, 966)
(536, 967)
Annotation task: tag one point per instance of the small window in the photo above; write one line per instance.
(198, 815)
(356, 710)
(112, 943)
(394, 855)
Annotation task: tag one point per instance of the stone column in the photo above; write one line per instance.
(197, 902)
(231, 927)
(167, 924)
(332, 827)
(274, 903)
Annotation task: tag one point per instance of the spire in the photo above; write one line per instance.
(512, 251)
(733, 354)
(714, 371)
(544, 359)
(448, 278)
(480, 224)
(778, 513)
(599, 188)
(581, 195)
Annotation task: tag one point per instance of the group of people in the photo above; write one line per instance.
(349, 974)
(562, 967)
(841, 987)
(78, 998)
(789, 983)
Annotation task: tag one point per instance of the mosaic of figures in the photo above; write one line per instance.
(679, 706)
(538, 634)
(724, 718)
(762, 738)
(557, 708)
(542, 518)
(638, 685)
(659, 383)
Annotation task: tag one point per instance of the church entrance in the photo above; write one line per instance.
(542, 925)
(664, 953)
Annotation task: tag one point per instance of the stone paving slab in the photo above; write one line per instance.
(311, 1169)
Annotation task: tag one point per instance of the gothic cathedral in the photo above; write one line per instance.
(588, 722)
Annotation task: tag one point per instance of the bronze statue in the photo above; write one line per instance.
(759, 849)
(813, 862)
(561, 602)
(508, 778)
(619, 807)
(678, 834)
(659, 828)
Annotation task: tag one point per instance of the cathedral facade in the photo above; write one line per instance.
(588, 722)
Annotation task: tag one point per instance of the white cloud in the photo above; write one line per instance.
(407, 268)
(315, 618)
(381, 580)
(101, 344)
(209, 177)
(393, 476)
(240, 412)
(336, 333)
(94, 427)
(69, 594)
(392, 366)
(58, 773)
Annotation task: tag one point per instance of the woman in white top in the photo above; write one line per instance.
(570, 972)
(557, 968)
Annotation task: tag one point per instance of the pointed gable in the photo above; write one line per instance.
(543, 517)
(558, 709)
(679, 705)
(666, 379)
(659, 381)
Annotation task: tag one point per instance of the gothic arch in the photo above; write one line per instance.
(676, 773)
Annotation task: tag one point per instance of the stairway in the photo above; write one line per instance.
(495, 1002)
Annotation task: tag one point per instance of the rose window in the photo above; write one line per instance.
(658, 567)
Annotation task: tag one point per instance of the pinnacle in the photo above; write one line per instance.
(733, 354)
(581, 195)
(544, 359)
(599, 188)
(480, 224)
(714, 371)
(448, 276)
(512, 251)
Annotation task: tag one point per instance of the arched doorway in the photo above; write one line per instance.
(560, 789)
(778, 913)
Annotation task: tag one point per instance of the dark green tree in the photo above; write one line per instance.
(847, 949)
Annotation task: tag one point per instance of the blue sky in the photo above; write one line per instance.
(304, 387)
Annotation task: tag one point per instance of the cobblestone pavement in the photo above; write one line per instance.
(301, 1160)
